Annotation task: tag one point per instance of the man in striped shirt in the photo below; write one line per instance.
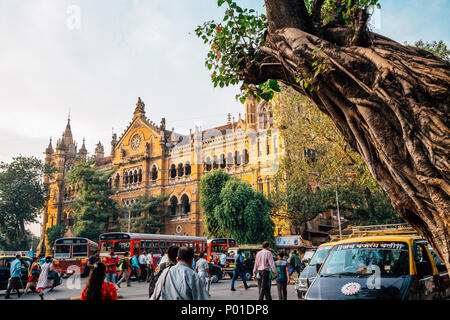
(261, 271)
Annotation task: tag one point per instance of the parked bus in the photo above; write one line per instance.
(71, 255)
(134, 243)
(218, 246)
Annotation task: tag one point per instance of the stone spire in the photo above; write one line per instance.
(229, 118)
(140, 109)
(83, 150)
(49, 149)
(67, 138)
(99, 151)
(113, 143)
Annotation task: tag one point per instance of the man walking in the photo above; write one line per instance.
(172, 253)
(95, 258)
(143, 266)
(238, 270)
(180, 282)
(294, 263)
(150, 268)
(111, 266)
(202, 268)
(14, 282)
(126, 264)
(135, 266)
(261, 271)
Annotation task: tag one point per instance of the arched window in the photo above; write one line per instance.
(208, 164)
(263, 119)
(125, 177)
(223, 161)
(185, 205)
(135, 176)
(154, 173)
(173, 205)
(187, 169)
(230, 159)
(140, 175)
(173, 171)
(215, 162)
(117, 180)
(237, 158)
(246, 157)
(267, 145)
(180, 170)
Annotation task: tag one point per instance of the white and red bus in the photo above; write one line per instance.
(71, 255)
(215, 247)
(134, 243)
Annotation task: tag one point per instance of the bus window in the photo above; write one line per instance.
(136, 248)
(79, 250)
(121, 246)
(155, 246)
(163, 246)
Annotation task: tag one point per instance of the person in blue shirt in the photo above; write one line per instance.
(41, 259)
(283, 276)
(135, 266)
(15, 271)
(238, 270)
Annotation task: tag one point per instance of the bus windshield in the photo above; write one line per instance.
(80, 250)
(62, 251)
(319, 256)
(364, 258)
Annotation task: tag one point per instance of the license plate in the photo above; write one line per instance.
(231, 265)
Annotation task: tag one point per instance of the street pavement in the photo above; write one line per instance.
(73, 286)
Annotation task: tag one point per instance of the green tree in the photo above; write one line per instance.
(439, 49)
(389, 101)
(22, 197)
(210, 187)
(152, 208)
(94, 211)
(236, 208)
(55, 232)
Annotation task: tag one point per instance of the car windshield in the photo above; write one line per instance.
(320, 255)
(365, 258)
(308, 255)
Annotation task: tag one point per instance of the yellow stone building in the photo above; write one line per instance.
(153, 160)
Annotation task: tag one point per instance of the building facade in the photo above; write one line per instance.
(149, 159)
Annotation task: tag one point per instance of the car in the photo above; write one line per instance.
(249, 252)
(392, 267)
(5, 263)
(306, 258)
(216, 272)
(309, 272)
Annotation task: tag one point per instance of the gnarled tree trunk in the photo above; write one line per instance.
(391, 103)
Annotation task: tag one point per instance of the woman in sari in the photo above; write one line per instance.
(44, 283)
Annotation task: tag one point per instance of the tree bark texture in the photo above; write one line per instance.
(391, 103)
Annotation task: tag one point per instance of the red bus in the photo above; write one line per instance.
(71, 255)
(217, 246)
(122, 242)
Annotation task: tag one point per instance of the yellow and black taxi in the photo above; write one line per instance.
(392, 267)
(309, 272)
(5, 264)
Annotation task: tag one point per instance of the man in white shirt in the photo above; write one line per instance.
(202, 268)
(143, 266)
(222, 259)
(180, 282)
(150, 268)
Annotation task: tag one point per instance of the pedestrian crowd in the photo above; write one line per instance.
(179, 274)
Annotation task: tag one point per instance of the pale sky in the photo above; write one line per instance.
(129, 48)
